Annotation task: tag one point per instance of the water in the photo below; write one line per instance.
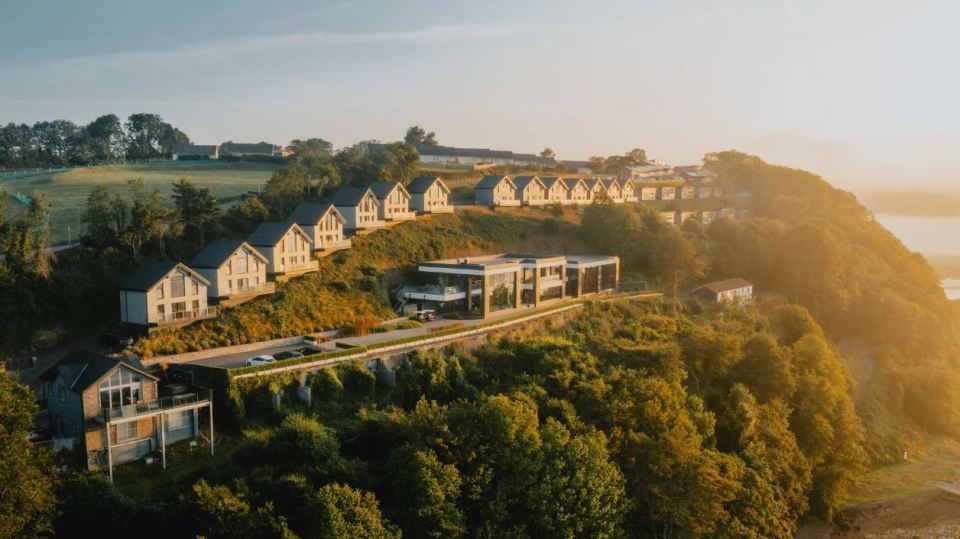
(933, 235)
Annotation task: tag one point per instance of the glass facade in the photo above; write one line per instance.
(502, 291)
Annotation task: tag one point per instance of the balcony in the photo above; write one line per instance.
(255, 290)
(197, 399)
(330, 245)
(185, 316)
(303, 267)
(401, 215)
(433, 292)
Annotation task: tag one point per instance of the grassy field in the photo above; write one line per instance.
(67, 191)
(939, 460)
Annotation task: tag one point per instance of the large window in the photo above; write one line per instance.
(242, 262)
(176, 286)
(503, 291)
(160, 291)
(122, 388)
(126, 432)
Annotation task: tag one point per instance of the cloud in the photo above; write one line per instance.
(221, 49)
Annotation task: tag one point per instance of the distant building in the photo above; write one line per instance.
(479, 156)
(648, 193)
(164, 293)
(118, 412)
(486, 284)
(556, 190)
(629, 190)
(360, 207)
(496, 191)
(429, 195)
(245, 148)
(580, 167)
(687, 192)
(235, 270)
(595, 188)
(530, 190)
(704, 191)
(195, 151)
(323, 223)
(577, 191)
(729, 212)
(287, 248)
(394, 201)
(733, 290)
(687, 216)
(614, 189)
(650, 172)
(670, 217)
(666, 193)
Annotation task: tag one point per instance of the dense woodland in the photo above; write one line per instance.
(632, 419)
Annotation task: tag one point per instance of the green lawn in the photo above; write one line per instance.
(940, 460)
(67, 191)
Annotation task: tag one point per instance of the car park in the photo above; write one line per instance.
(289, 354)
(424, 315)
(260, 360)
(310, 350)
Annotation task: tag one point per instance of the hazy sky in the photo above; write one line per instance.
(860, 91)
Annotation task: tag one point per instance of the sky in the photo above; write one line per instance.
(861, 92)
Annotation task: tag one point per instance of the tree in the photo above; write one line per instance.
(106, 134)
(197, 208)
(100, 217)
(341, 512)
(221, 512)
(417, 136)
(429, 490)
(311, 145)
(676, 257)
(26, 499)
(767, 369)
(24, 240)
(246, 215)
(548, 153)
(150, 220)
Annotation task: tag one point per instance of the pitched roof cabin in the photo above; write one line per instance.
(496, 191)
(195, 151)
(235, 270)
(429, 195)
(628, 190)
(394, 201)
(734, 290)
(530, 190)
(577, 191)
(164, 293)
(614, 189)
(359, 206)
(323, 223)
(556, 190)
(118, 412)
(595, 187)
(287, 248)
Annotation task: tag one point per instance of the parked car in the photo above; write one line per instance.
(260, 360)
(289, 354)
(424, 315)
(310, 340)
(310, 350)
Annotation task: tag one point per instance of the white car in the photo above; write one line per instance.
(260, 360)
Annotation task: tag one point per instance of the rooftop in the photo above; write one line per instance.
(726, 286)
(216, 252)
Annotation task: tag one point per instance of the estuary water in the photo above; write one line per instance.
(933, 235)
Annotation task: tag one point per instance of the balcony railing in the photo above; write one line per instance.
(178, 316)
(303, 266)
(262, 288)
(152, 407)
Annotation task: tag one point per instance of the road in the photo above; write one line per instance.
(230, 361)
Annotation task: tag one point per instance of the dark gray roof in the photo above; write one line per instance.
(571, 182)
(548, 181)
(148, 274)
(215, 253)
(421, 184)
(489, 182)
(82, 368)
(264, 148)
(609, 181)
(592, 182)
(349, 196)
(522, 181)
(270, 233)
(310, 213)
(194, 149)
(382, 189)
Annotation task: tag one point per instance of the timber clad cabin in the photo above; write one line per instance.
(530, 190)
(556, 190)
(666, 193)
(234, 269)
(429, 195)
(323, 223)
(613, 189)
(732, 290)
(577, 191)
(648, 193)
(287, 248)
(629, 190)
(164, 293)
(483, 285)
(496, 191)
(359, 206)
(394, 201)
(595, 187)
(118, 411)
